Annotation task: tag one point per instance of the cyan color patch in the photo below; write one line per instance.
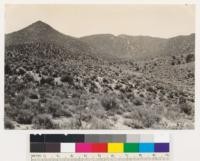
(146, 147)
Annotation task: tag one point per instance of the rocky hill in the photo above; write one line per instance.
(40, 32)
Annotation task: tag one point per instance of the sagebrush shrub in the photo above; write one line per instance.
(24, 116)
(8, 124)
(109, 103)
(189, 58)
(186, 108)
(44, 121)
(67, 78)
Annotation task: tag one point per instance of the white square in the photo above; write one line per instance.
(67, 147)
(161, 138)
(146, 138)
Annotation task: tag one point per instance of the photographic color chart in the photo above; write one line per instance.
(96, 146)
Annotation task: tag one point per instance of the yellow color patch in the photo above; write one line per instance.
(115, 147)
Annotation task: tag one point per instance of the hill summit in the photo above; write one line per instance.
(40, 32)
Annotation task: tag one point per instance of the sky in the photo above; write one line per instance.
(81, 20)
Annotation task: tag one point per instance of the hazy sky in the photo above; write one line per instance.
(81, 20)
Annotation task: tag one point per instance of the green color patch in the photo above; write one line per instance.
(131, 147)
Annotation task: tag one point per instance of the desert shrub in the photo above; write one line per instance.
(48, 80)
(137, 102)
(10, 111)
(105, 80)
(150, 120)
(28, 77)
(67, 78)
(151, 89)
(190, 75)
(8, 124)
(135, 124)
(33, 96)
(76, 94)
(66, 113)
(20, 98)
(24, 116)
(186, 108)
(42, 109)
(143, 117)
(55, 108)
(96, 109)
(21, 71)
(8, 69)
(127, 115)
(44, 121)
(74, 123)
(31, 105)
(189, 58)
(130, 95)
(97, 123)
(120, 111)
(148, 117)
(109, 103)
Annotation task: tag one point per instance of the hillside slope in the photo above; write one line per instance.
(139, 46)
(55, 81)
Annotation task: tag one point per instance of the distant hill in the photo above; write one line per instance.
(139, 46)
(40, 32)
(105, 45)
(180, 45)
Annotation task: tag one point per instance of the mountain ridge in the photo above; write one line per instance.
(103, 44)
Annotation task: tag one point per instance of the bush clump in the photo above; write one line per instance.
(56, 109)
(67, 79)
(24, 116)
(141, 117)
(8, 124)
(48, 80)
(109, 103)
(33, 96)
(8, 69)
(44, 121)
(97, 123)
(137, 102)
(189, 58)
(186, 108)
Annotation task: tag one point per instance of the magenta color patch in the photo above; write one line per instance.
(83, 147)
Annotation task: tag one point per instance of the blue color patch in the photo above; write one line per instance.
(146, 147)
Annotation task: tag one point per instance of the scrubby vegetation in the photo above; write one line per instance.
(53, 87)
